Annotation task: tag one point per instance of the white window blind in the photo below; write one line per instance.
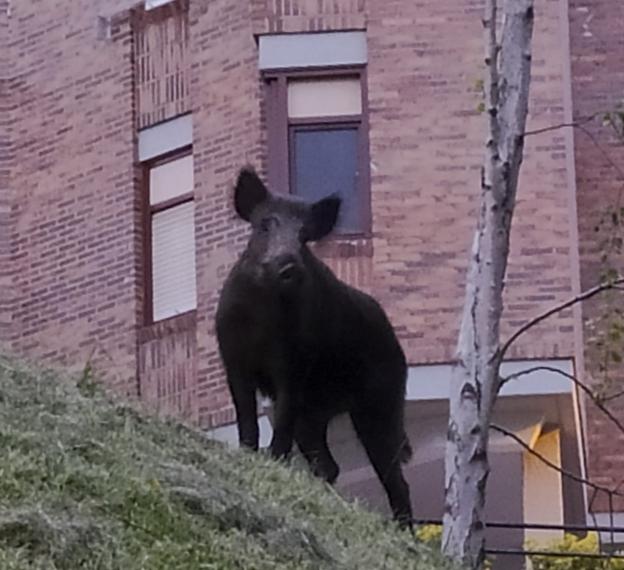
(171, 179)
(173, 261)
(324, 97)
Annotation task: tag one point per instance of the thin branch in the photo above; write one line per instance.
(612, 396)
(549, 129)
(573, 124)
(556, 309)
(552, 465)
(595, 399)
(580, 124)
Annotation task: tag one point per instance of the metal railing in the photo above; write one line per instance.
(612, 530)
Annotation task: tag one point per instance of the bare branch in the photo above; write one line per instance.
(580, 124)
(552, 465)
(612, 396)
(573, 124)
(558, 308)
(595, 399)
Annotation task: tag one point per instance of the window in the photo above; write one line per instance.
(170, 247)
(318, 139)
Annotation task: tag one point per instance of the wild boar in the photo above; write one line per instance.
(290, 329)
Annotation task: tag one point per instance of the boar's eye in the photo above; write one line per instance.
(266, 224)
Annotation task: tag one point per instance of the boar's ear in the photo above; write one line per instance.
(321, 218)
(248, 192)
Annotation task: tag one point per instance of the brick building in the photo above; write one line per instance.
(122, 126)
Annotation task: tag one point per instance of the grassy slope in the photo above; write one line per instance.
(86, 483)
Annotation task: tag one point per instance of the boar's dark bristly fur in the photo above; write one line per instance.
(317, 347)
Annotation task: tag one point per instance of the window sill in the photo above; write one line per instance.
(344, 247)
(161, 329)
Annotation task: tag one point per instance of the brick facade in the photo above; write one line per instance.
(597, 46)
(6, 303)
(74, 240)
(70, 216)
(426, 145)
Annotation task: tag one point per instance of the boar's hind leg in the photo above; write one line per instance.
(244, 396)
(311, 438)
(383, 439)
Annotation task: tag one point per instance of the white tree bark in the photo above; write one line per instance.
(475, 381)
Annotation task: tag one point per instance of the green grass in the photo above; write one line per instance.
(93, 484)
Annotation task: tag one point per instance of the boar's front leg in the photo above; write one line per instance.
(244, 396)
(285, 416)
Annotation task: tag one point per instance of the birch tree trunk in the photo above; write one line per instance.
(475, 377)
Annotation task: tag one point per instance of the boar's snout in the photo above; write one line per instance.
(286, 269)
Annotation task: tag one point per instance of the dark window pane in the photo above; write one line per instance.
(325, 162)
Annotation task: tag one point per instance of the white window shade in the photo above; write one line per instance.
(173, 261)
(324, 97)
(171, 179)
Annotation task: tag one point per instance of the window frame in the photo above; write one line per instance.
(280, 142)
(148, 212)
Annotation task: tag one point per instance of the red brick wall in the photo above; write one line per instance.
(597, 45)
(427, 147)
(5, 157)
(161, 63)
(168, 366)
(75, 209)
(283, 16)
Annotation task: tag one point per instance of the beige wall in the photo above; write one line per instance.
(542, 492)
